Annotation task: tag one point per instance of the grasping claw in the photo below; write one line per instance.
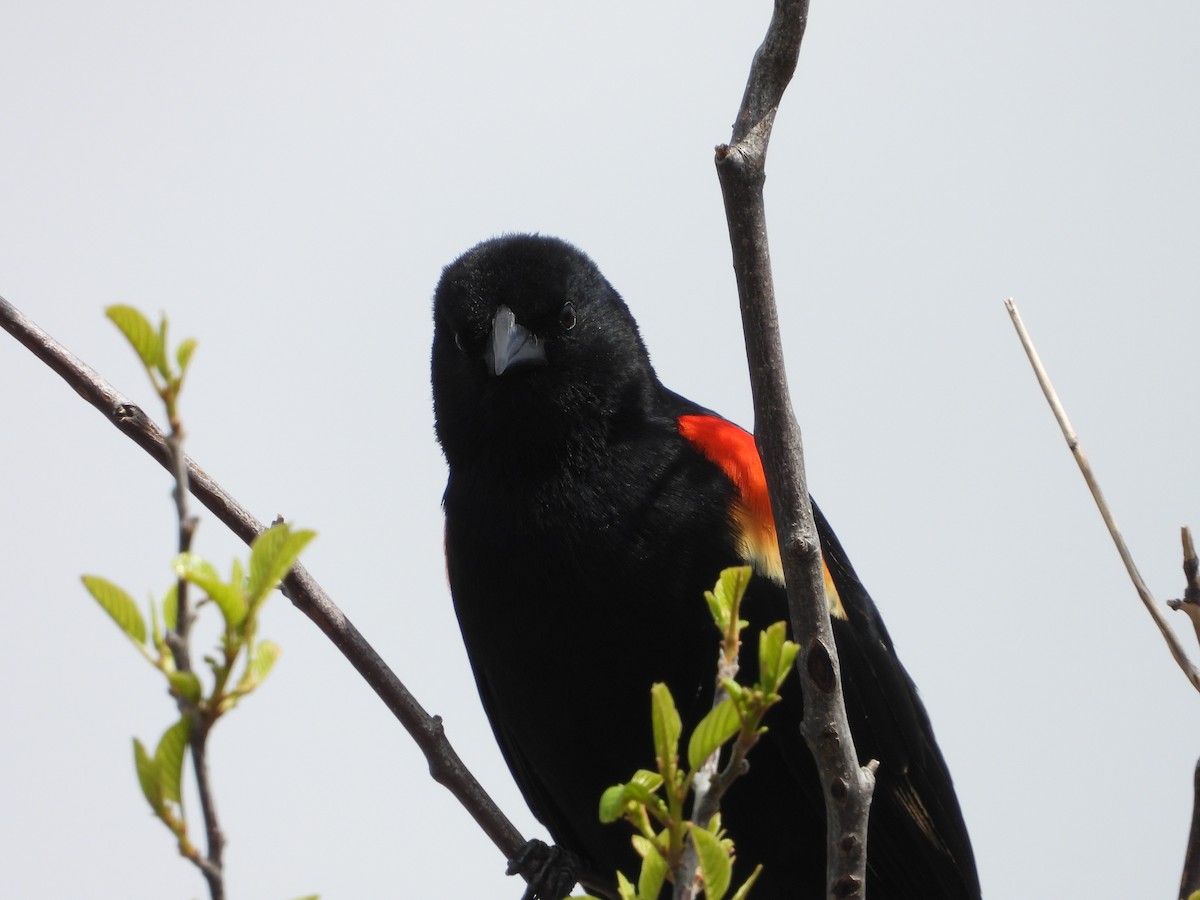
(551, 872)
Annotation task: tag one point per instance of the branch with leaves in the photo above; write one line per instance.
(240, 662)
(692, 852)
(445, 765)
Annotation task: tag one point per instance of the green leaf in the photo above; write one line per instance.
(139, 332)
(148, 778)
(155, 632)
(271, 558)
(625, 888)
(715, 866)
(651, 781)
(720, 614)
(729, 590)
(775, 657)
(259, 665)
(654, 869)
(614, 801)
(201, 573)
(120, 607)
(744, 890)
(719, 725)
(160, 362)
(183, 354)
(667, 725)
(787, 659)
(168, 758)
(170, 607)
(187, 685)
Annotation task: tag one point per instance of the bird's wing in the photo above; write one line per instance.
(917, 829)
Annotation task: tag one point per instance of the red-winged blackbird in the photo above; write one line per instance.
(587, 510)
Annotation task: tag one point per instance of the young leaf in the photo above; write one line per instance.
(715, 865)
(271, 558)
(720, 613)
(139, 332)
(625, 888)
(775, 656)
(160, 362)
(119, 606)
(202, 574)
(183, 355)
(259, 665)
(654, 869)
(718, 725)
(168, 758)
(744, 891)
(651, 781)
(187, 685)
(170, 607)
(147, 774)
(731, 587)
(614, 802)
(667, 725)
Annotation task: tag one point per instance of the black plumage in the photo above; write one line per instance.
(582, 528)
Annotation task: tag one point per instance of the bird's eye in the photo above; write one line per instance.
(459, 342)
(566, 318)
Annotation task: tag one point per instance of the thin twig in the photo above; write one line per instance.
(309, 597)
(1189, 882)
(212, 863)
(1173, 643)
(1190, 604)
(847, 786)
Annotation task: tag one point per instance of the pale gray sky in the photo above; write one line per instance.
(287, 179)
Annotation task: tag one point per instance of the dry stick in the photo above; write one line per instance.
(309, 597)
(1176, 648)
(847, 786)
(1190, 603)
(1190, 880)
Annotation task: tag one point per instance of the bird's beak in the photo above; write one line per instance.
(510, 344)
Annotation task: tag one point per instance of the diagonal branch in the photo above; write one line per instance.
(309, 597)
(1173, 643)
(741, 170)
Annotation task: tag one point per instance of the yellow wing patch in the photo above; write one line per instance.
(732, 448)
(759, 546)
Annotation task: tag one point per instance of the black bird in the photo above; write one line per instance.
(588, 508)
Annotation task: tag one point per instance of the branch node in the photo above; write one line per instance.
(847, 886)
(820, 667)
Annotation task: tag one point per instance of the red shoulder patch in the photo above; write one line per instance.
(733, 449)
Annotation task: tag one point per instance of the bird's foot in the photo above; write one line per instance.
(551, 872)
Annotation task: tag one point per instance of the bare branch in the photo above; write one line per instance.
(1189, 883)
(1190, 603)
(1173, 643)
(741, 169)
(309, 597)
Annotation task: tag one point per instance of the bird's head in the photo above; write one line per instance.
(529, 340)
